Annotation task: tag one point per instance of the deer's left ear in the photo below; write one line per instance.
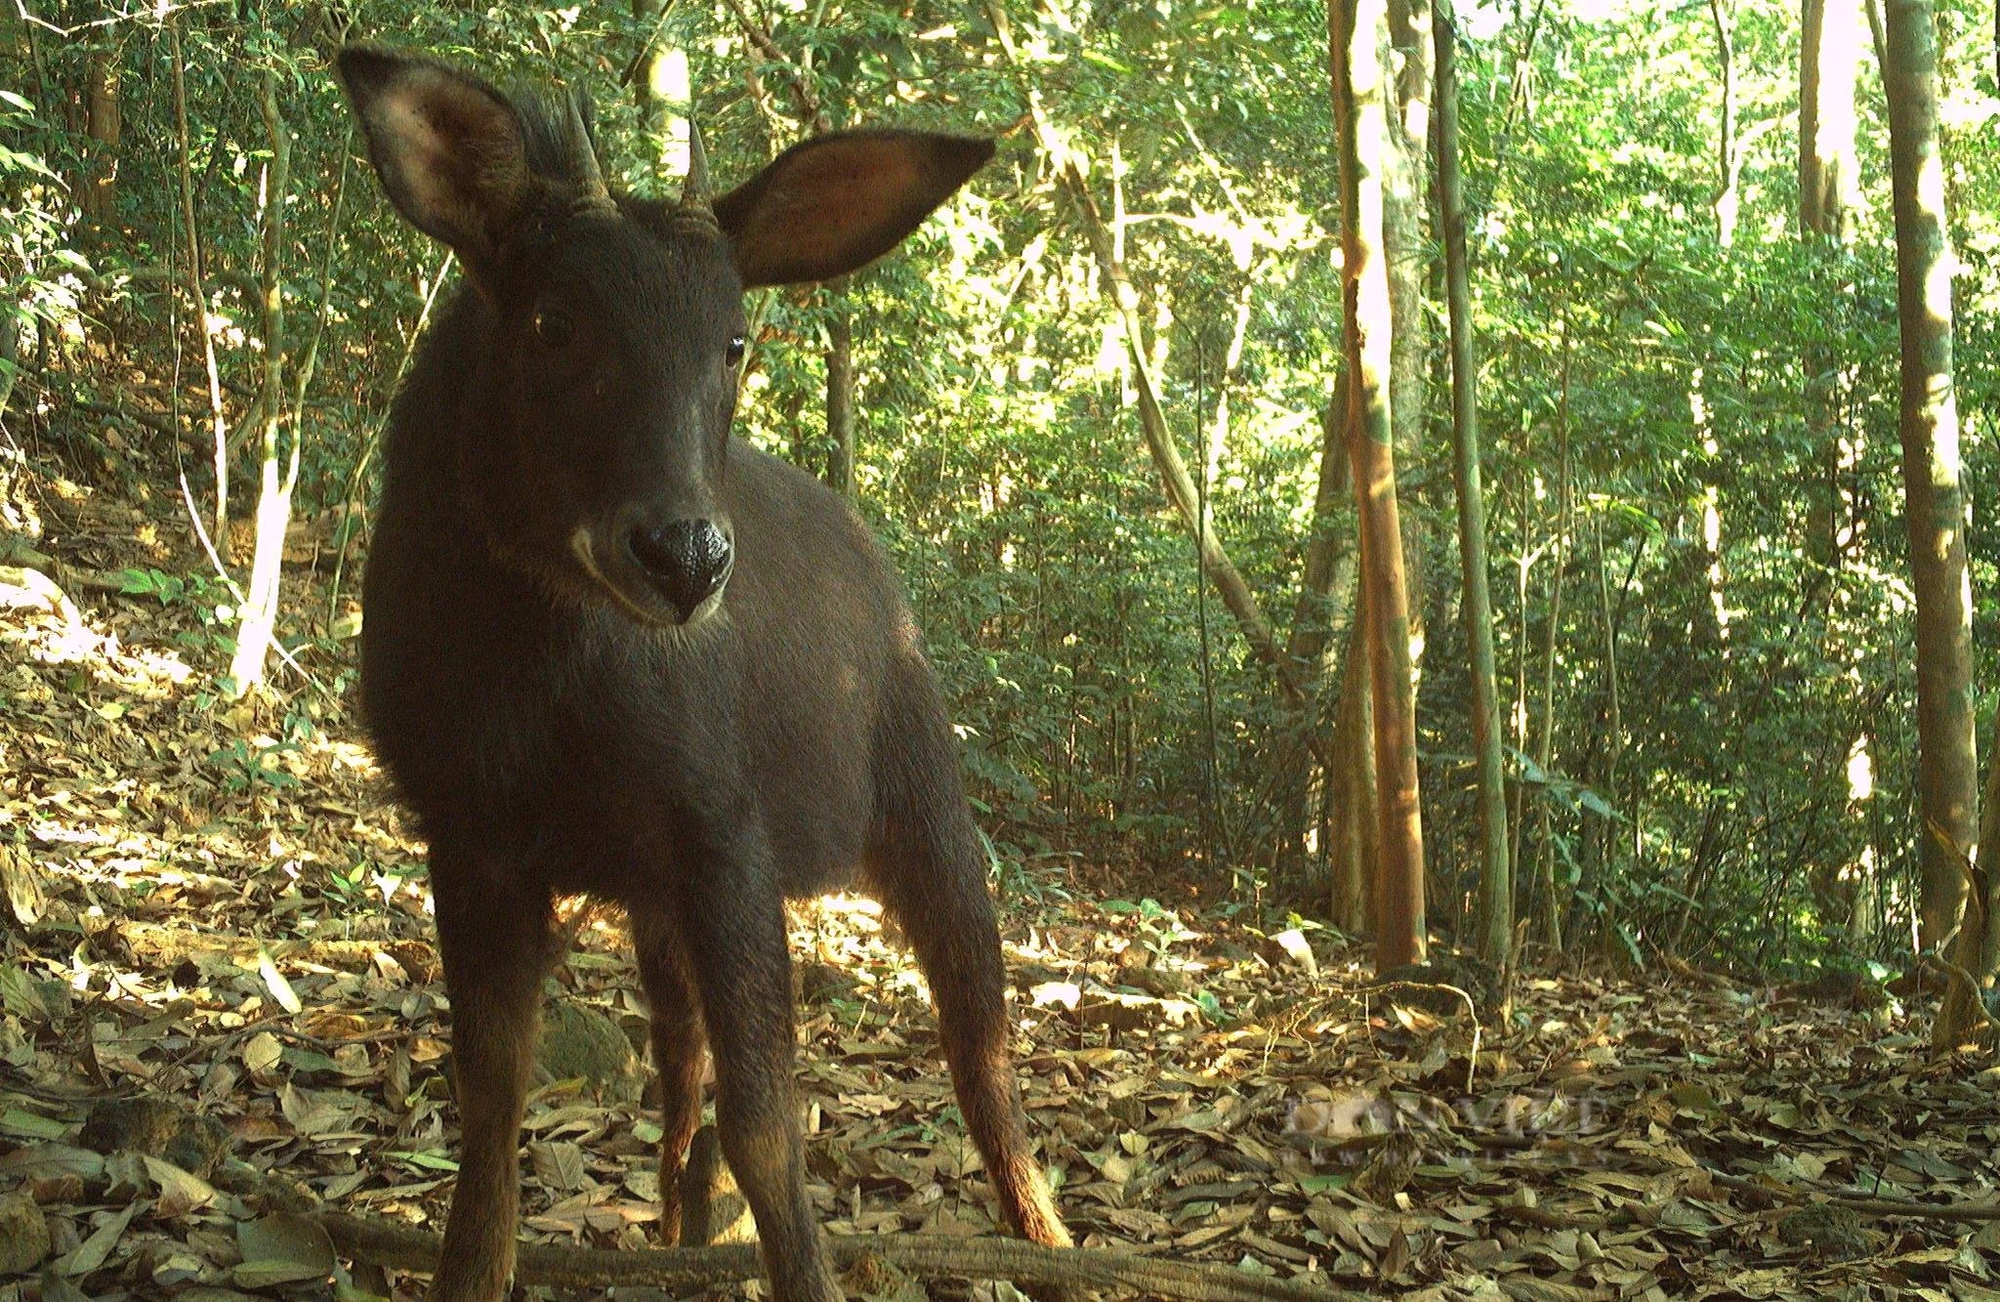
(836, 203)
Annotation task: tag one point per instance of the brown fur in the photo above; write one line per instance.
(554, 724)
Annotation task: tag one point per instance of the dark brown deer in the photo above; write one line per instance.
(612, 651)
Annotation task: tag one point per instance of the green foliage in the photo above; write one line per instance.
(245, 766)
(1159, 928)
(38, 290)
(1623, 350)
(169, 589)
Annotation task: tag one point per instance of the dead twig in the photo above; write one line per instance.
(1968, 1213)
(16, 555)
(924, 1255)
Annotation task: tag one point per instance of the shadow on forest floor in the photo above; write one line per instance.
(214, 908)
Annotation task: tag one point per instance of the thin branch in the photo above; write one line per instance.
(109, 20)
(803, 93)
(646, 50)
(218, 423)
(1214, 166)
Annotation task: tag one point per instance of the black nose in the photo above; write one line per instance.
(687, 560)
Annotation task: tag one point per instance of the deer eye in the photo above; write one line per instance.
(554, 327)
(735, 351)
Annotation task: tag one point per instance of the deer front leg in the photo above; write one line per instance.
(734, 923)
(497, 944)
(679, 1045)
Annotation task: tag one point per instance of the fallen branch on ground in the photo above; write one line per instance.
(15, 552)
(1862, 1204)
(30, 587)
(927, 1256)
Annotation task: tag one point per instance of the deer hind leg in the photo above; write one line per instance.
(679, 1049)
(930, 871)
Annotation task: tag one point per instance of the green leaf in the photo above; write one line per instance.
(1595, 803)
(282, 1249)
(30, 1126)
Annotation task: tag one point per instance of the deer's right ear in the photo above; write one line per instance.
(448, 147)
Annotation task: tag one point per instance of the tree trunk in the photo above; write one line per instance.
(803, 455)
(840, 391)
(1878, 36)
(1829, 59)
(662, 90)
(1313, 797)
(218, 423)
(1833, 34)
(1313, 619)
(1354, 827)
(1977, 951)
(10, 354)
(104, 126)
(1550, 901)
(1358, 29)
(1603, 841)
(259, 616)
(1354, 820)
(1231, 376)
(1729, 165)
(1405, 201)
(1496, 891)
(1405, 168)
(1947, 767)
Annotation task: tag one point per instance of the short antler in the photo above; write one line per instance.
(588, 175)
(695, 193)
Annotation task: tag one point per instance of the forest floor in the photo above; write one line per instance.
(222, 1009)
